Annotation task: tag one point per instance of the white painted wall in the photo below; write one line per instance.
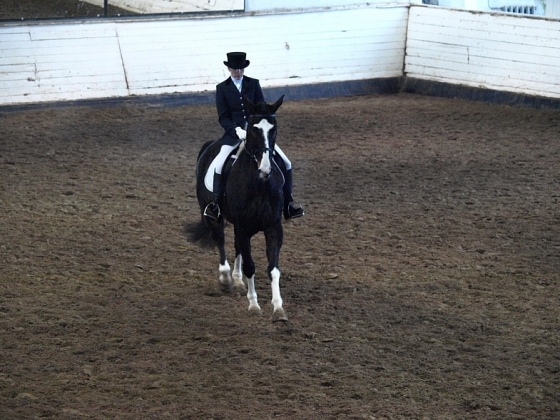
(121, 58)
(94, 59)
(58, 62)
(514, 53)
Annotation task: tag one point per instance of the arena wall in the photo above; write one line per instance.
(496, 51)
(342, 49)
(120, 58)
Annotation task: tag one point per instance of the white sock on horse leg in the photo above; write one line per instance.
(275, 284)
(225, 274)
(252, 295)
(238, 272)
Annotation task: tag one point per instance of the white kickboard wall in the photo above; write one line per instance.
(42, 62)
(514, 53)
(120, 58)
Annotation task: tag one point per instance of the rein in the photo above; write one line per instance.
(262, 116)
(253, 151)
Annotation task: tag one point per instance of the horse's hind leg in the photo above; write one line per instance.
(252, 296)
(226, 283)
(245, 267)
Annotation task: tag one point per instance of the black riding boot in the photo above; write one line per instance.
(212, 210)
(292, 209)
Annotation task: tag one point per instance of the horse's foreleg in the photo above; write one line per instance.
(225, 277)
(278, 314)
(274, 238)
(238, 273)
(245, 264)
(252, 296)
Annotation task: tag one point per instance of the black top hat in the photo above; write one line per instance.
(236, 60)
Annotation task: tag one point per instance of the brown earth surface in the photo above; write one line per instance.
(423, 282)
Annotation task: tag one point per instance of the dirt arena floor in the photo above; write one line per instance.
(423, 282)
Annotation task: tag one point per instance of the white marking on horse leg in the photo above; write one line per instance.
(275, 284)
(278, 314)
(238, 273)
(225, 274)
(252, 296)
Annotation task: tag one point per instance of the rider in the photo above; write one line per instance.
(232, 116)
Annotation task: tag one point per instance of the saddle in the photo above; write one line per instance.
(228, 164)
(212, 170)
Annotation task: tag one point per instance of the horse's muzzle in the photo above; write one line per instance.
(264, 175)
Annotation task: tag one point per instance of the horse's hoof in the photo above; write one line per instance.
(226, 288)
(253, 310)
(279, 315)
(240, 288)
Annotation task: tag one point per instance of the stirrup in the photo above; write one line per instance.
(293, 210)
(212, 211)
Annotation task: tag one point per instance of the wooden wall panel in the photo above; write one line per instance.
(93, 59)
(60, 62)
(121, 58)
(287, 48)
(496, 51)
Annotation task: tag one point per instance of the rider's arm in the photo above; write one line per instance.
(225, 117)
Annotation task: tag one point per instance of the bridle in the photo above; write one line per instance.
(252, 152)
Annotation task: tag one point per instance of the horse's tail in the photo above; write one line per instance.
(199, 233)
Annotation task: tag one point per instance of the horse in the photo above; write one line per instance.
(252, 202)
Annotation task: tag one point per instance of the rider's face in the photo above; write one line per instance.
(236, 73)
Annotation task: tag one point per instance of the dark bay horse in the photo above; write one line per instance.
(252, 203)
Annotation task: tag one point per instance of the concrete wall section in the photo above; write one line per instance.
(501, 52)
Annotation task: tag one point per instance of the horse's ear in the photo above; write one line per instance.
(277, 104)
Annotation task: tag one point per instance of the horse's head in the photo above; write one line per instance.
(261, 134)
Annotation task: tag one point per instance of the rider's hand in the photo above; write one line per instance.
(242, 134)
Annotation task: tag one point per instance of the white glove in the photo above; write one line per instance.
(242, 134)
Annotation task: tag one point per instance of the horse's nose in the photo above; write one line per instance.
(264, 166)
(264, 174)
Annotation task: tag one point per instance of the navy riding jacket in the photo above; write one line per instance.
(229, 102)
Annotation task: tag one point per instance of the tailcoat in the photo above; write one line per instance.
(231, 109)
